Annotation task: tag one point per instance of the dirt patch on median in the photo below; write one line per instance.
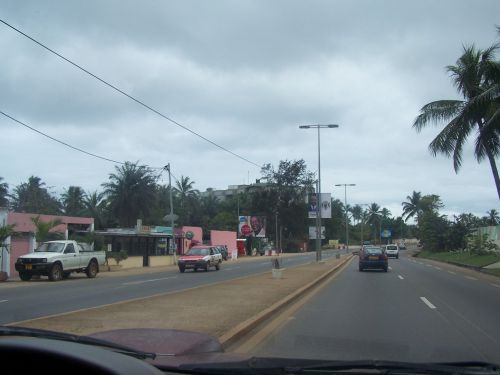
(212, 309)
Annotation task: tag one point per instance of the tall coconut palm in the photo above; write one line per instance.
(357, 211)
(374, 214)
(95, 206)
(73, 201)
(412, 207)
(472, 75)
(131, 192)
(33, 196)
(4, 193)
(493, 217)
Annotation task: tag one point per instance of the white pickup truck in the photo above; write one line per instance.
(57, 259)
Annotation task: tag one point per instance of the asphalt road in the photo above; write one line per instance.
(34, 299)
(418, 311)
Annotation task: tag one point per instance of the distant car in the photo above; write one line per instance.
(373, 257)
(392, 250)
(402, 246)
(200, 257)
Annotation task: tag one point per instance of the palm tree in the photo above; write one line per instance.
(374, 214)
(95, 206)
(474, 75)
(357, 212)
(33, 196)
(412, 207)
(4, 193)
(43, 228)
(493, 217)
(131, 192)
(73, 201)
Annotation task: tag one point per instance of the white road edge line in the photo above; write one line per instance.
(401, 277)
(497, 285)
(148, 281)
(437, 268)
(470, 278)
(426, 301)
(451, 272)
(6, 300)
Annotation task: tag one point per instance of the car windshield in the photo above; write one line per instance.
(299, 179)
(198, 251)
(50, 247)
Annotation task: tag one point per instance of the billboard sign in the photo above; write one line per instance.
(325, 204)
(312, 233)
(252, 226)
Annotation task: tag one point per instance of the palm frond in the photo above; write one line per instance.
(437, 112)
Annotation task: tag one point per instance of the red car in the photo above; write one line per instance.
(200, 257)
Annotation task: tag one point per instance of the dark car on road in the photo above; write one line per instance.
(373, 257)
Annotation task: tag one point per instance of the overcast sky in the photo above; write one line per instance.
(245, 75)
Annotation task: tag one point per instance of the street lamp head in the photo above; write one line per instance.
(332, 126)
(304, 126)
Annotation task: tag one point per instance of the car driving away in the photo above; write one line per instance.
(373, 257)
(200, 257)
(392, 251)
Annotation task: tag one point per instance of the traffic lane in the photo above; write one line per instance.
(370, 315)
(49, 298)
(467, 304)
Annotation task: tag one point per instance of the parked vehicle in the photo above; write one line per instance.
(392, 250)
(58, 259)
(200, 257)
(223, 251)
(372, 257)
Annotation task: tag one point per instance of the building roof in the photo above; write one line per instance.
(24, 224)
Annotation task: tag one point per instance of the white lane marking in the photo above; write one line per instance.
(401, 277)
(420, 263)
(470, 278)
(230, 268)
(451, 272)
(149, 281)
(497, 285)
(3, 300)
(437, 268)
(426, 301)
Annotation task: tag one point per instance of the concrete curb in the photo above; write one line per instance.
(245, 327)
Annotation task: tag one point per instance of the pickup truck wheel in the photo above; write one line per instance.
(25, 276)
(91, 270)
(217, 266)
(56, 272)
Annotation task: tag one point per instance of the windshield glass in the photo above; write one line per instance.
(198, 251)
(248, 170)
(51, 247)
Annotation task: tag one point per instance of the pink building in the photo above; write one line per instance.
(24, 240)
(222, 237)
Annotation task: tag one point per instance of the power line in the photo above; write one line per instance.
(129, 96)
(74, 147)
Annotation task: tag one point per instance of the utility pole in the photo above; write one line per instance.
(318, 209)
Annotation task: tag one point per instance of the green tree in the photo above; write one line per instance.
(357, 212)
(73, 201)
(493, 217)
(131, 193)
(188, 205)
(475, 73)
(43, 229)
(33, 197)
(412, 207)
(95, 206)
(4, 193)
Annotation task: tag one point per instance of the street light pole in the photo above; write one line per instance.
(346, 216)
(167, 167)
(318, 206)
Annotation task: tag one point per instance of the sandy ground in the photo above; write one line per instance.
(214, 309)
